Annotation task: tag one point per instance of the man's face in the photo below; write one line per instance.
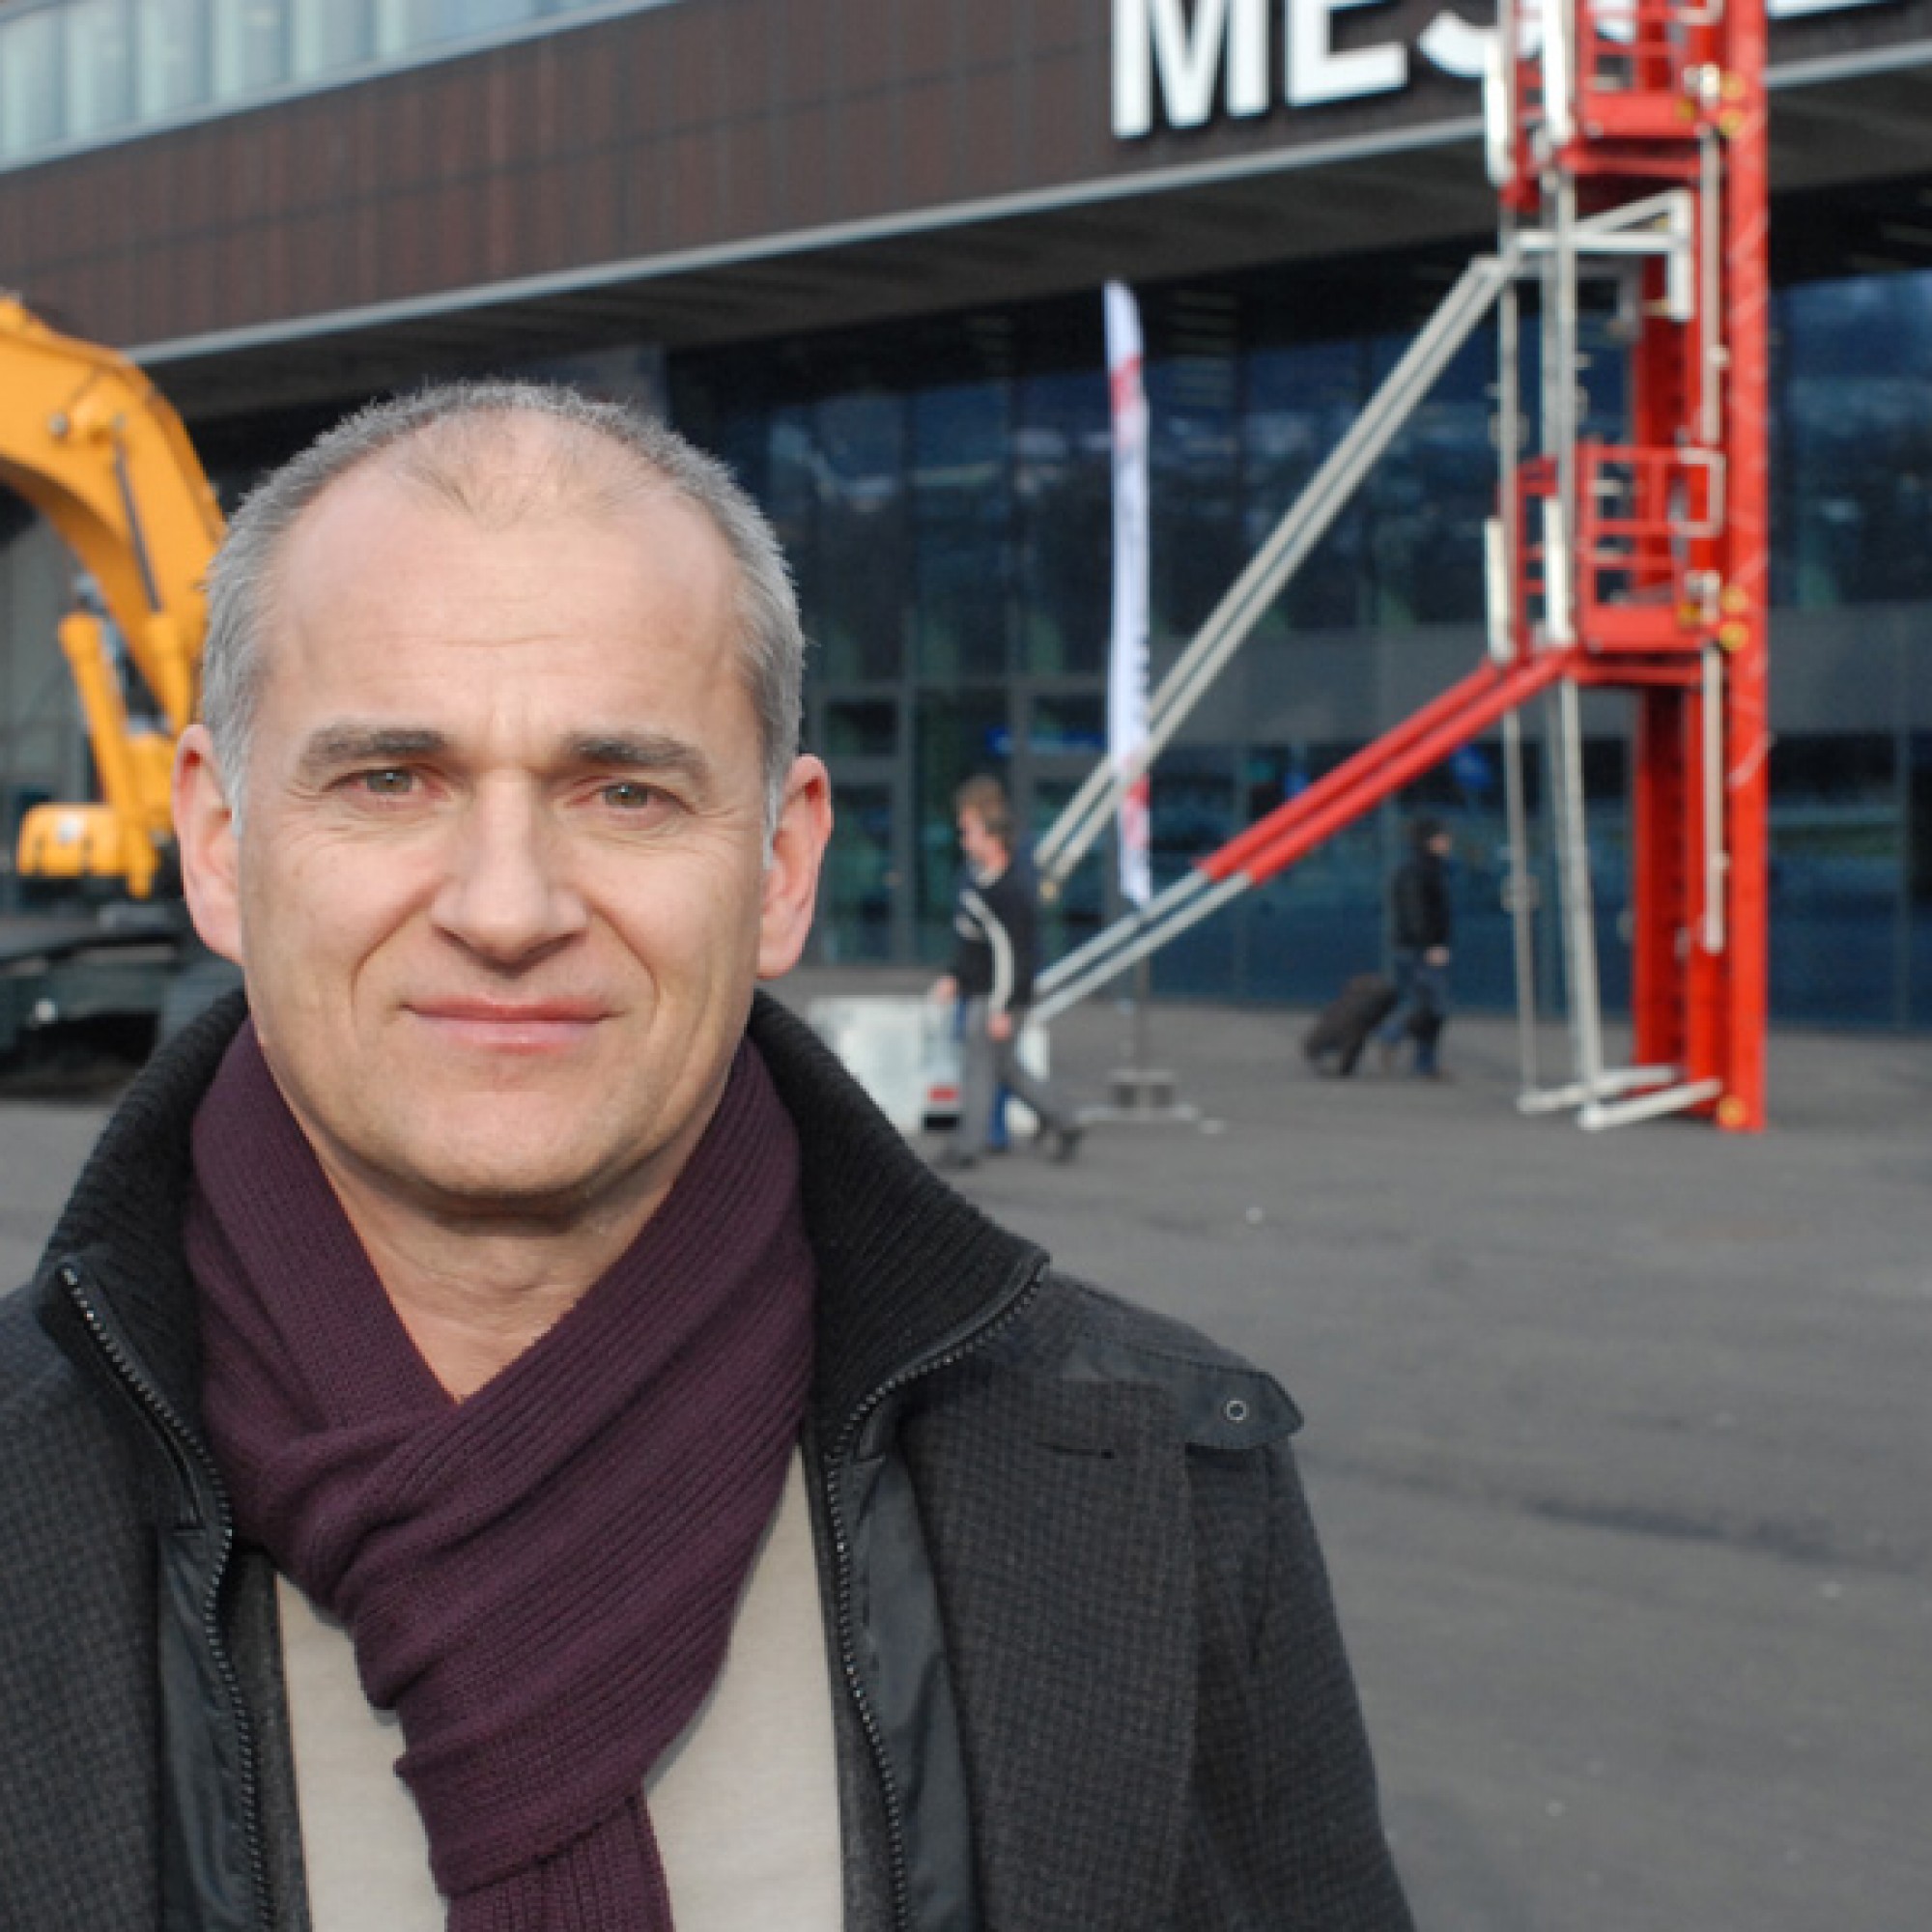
(500, 890)
(984, 852)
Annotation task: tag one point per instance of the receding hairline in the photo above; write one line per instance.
(507, 465)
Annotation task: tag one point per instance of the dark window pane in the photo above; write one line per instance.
(859, 444)
(861, 729)
(854, 919)
(1301, 399)
(1431, 491)
(1919, 910)
(791, 502)
(1193, 385)
(1064, 478)
(1837, 853)
(962, 529)
(1856, 367)
(1306, 930)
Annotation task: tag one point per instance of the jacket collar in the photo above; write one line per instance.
(907, 1266)
(120, 1228)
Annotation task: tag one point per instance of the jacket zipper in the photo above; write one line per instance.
(947, 1355)
(190, 1459)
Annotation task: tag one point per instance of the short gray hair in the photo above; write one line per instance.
(439, 437)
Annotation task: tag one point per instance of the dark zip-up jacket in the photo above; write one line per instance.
(995, 947)
(1419, 903)
(1091, 1674)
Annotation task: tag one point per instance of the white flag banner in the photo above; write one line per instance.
(1128, 662)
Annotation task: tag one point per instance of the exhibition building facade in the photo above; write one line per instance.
(857, 247)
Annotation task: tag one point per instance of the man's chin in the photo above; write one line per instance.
(507, 1188)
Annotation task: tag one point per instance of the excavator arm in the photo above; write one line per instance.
(95, 449)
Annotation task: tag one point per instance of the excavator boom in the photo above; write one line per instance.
(92, 445)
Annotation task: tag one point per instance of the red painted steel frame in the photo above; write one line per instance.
(1361, 783)
(1747, 713)
(1670, 543)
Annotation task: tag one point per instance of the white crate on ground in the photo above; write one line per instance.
(903, 1049)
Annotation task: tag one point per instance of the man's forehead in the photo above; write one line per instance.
(507, 485)
(356, 542)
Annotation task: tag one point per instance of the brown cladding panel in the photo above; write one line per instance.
(1059, 25)
(697, 124)
(687, 180)
(196, 266)
(804, 33)
(582, 101)
(926, 40)
(201, 184)
(987, 35)
(402, 232)
(927, 148)
(329, 255)
(360, 257)
(355, 161)
(868, 47)
(990, 124)
(458, 226)
(869, 157)
(556, 209)
(746, 200)
(1055, 143)
(493, 207)
(775, 115)
(688, 79)
(458, 110)
(234, 260)
(808, 144)
(741, 55)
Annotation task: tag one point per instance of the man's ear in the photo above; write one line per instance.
(791, 872)
(205, 836)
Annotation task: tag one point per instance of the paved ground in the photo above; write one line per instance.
(1622, 1447)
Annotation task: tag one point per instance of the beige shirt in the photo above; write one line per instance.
(745, 1804)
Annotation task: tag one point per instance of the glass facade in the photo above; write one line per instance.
(76, 72)
(944, 487)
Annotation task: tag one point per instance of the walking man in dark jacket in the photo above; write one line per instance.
(504, 1434)
(995, 956)
(1422, 927)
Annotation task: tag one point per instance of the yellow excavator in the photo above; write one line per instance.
(89, 443)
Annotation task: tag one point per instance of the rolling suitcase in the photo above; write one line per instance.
(1334, 1043)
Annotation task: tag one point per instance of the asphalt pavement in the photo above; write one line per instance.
(1621, 1443)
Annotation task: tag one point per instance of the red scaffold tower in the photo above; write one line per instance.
(1627, 143)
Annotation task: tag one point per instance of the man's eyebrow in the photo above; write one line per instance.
(638, 752)
(337, 745)
(334, 746)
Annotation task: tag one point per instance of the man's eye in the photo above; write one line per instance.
(390, 781)
(630, 795)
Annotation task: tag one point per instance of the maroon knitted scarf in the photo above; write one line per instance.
(541, 1579)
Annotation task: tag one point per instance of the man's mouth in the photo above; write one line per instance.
(511, 1026)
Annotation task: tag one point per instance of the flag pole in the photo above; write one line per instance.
(1140, 1091)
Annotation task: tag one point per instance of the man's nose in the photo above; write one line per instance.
(507, 892)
